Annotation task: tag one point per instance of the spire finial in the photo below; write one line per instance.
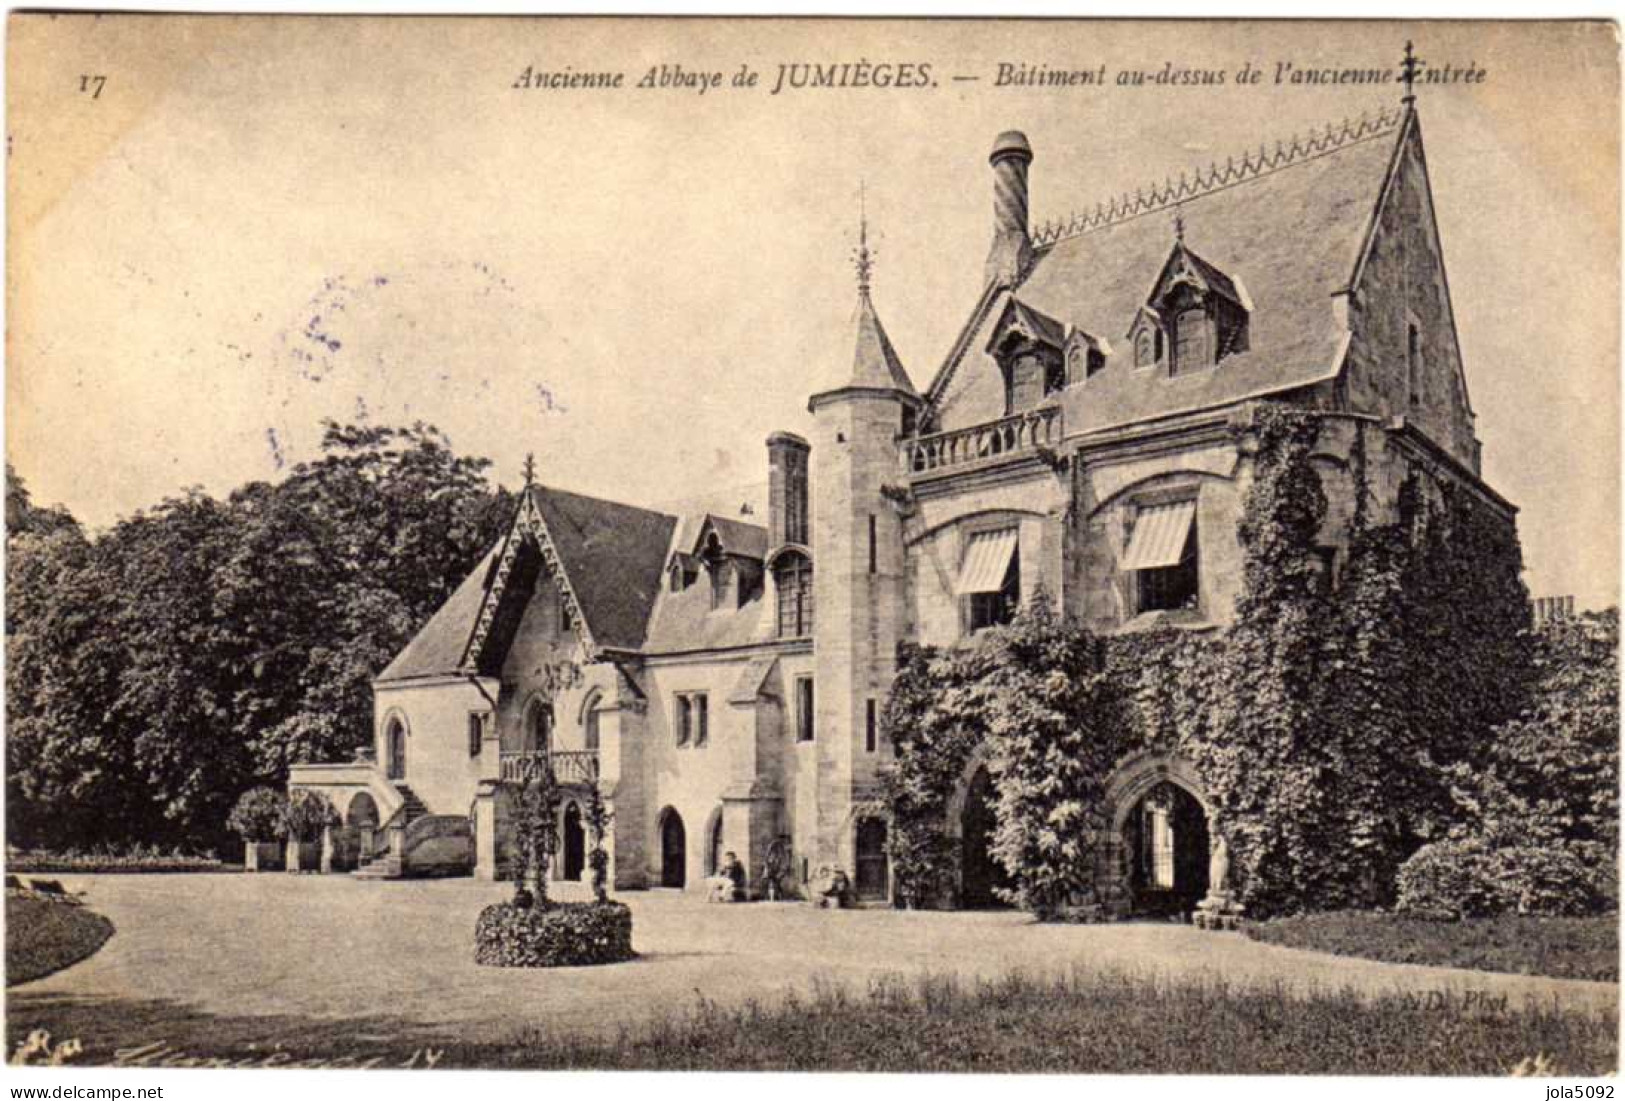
(1179, 223)
(863, 258)
(530, 469)
(1407, 72)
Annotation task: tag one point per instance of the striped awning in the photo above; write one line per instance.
(986, 561)
(1159, 536)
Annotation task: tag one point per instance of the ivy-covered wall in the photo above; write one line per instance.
(1322, 721)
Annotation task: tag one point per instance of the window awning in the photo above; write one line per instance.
(1159, 536)
(986, 561)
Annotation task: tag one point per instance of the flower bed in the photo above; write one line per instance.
(562, 934)
(43, 936)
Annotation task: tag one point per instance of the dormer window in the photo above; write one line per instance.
(1146, 337)
(1192, 343)
(1085, 357)
(1198, 315)
(1028, 347)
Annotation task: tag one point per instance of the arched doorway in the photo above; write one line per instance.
(356, 839)
(575, 843)
(874, 869)
(673, 850)
(1165, 838)
(980, 874)
(395, 750)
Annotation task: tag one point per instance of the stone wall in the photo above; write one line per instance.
(1403, 282)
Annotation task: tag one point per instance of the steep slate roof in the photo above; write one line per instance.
(874, 360)
(437, 648)
(1292, 234)
(613, 556)
(685, 620)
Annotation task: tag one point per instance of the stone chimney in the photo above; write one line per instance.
(787, 507)
(1012, 248)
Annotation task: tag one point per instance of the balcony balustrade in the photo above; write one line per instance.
(1008, 437)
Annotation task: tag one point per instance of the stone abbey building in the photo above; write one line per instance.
(1085, 432)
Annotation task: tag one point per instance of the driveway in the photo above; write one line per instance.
(331, 947)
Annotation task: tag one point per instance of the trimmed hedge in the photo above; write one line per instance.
(563, 934)
(134, 860)
(1449, 880)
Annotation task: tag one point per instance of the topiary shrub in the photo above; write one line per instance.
(566, 934)
(306, 814)
(1449, 880)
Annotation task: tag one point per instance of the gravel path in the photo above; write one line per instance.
(333, 947)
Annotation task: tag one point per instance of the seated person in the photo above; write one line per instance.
(735, 871)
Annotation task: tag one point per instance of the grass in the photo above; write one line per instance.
(1566, 948)
(42, 937)
(1083, 1022)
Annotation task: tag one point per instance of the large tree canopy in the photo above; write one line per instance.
(198, 648)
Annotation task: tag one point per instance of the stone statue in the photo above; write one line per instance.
(1218, 867)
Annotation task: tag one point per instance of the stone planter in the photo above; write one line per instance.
(262, 856)
(304, 856)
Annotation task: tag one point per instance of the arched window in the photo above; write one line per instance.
(1145, 347)
(792, 576)
(589, 722)
(1191, 351)
(395, 749)
(538, 732)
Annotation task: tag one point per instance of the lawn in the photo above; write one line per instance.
(1568, 948)
(306, 969)
(43, 936)
(1084, 1022)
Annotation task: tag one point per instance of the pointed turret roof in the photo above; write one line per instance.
(875, 364)
(874, 361)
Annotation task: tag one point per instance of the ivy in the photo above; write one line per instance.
(1326, 726)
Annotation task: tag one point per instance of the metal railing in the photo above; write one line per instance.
(570, 766)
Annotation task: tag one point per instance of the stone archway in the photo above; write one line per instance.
(971, 821)
(981, 876)
(673, 850)
(1162, 853)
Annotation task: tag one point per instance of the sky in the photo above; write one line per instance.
(257, 223)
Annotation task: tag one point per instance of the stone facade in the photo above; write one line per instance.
(1086, 436)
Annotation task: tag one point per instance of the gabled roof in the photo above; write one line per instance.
(1205, 274)
(612, 555)
(1040, 326)
(437, 649)
(1292, 225)
(736, 536)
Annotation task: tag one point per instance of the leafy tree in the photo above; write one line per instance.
(260, 815)
(1552, 773)
(200, 647)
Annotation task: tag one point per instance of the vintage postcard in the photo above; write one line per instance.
(812, 545)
